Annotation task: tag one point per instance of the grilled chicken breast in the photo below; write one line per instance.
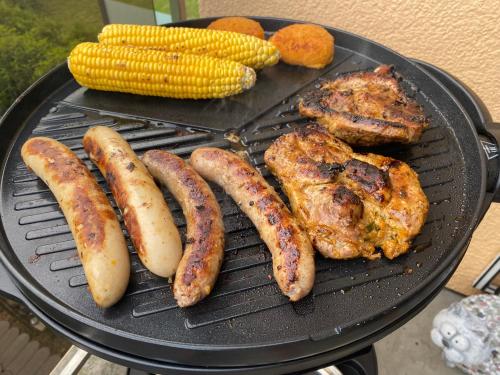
(365, 109)
(350, 204)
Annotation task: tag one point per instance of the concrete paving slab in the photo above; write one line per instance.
(409, 350)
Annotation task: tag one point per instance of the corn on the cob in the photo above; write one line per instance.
(248, 50)
(158, 73)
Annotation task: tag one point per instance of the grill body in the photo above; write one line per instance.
(246, 325)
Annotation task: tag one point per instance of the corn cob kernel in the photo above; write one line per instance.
(248, 50)
(158, 73)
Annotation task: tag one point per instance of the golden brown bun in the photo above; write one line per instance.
(304, 44)
(238, 24)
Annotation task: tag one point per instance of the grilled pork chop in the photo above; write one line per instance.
(365, 109)
(349, 203)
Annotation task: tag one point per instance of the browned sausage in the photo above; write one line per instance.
(293, 257)
(200, 264)
(145, 212)
(93, 223)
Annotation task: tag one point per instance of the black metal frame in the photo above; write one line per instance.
(485, 281)
(177, 9)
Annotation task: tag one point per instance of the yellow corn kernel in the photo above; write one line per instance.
(245, 49)
(158, 73)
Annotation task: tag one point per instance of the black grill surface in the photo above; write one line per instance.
(246, 308)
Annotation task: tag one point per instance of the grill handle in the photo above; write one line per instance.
(487, 129)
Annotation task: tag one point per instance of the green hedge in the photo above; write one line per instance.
(34, 37)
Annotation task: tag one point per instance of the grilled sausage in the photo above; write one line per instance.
(200, 264)
(293, 257)
(145, 212)
(99, 239)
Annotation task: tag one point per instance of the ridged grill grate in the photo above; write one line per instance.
(244, 249)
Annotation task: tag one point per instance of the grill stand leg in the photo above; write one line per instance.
(72, 362)
(132, 371)
(363, 362)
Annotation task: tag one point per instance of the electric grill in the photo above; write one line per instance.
(246, 325)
